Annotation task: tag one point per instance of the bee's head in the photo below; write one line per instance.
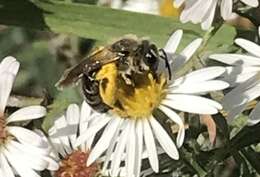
(136, 57)
(125, 46)
(149, 55)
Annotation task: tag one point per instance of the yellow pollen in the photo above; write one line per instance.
(74, 165)
(131, 101)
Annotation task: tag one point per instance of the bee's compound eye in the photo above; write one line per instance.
(151, 57)
(148, 56)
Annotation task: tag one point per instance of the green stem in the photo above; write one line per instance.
(188, 158)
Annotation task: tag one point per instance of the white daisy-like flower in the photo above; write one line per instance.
(22, 151)
(131, 129)
(243, 74)
(62, 137)
(203, 11)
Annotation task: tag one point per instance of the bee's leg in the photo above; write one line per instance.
(92, 96)
(91, 88)
(163, 55)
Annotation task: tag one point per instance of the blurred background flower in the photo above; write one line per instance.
(206, 11)
(22, 151)
(244, 77)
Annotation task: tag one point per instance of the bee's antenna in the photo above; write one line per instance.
(167, 64)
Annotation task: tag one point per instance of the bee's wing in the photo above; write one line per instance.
(72, 75)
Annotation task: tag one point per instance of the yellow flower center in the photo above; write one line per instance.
(131, 101)
(74, 165)
(167, 9)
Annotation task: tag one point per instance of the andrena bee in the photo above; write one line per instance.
(122, 65)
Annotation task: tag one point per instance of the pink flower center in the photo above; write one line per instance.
(3, 132)
(74, 165)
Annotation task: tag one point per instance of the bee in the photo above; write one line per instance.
(106, 66)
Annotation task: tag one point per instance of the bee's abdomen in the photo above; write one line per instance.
(92, 96)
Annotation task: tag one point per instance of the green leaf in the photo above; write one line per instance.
(60, 104)
(243, 166)
(253, 158)
(246, 137)
(100, 23)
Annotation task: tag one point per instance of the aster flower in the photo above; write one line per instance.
(203, 11)
(22, 151)
(132, 129)
(243, 74)
(62, 137)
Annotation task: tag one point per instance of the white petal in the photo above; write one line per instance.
(111, 148)
(115, 164)
(27, 148)
(85, 114)
(204, 74)
(171, 114)
(191, 48)
(254, 116)
(52, 164)
(104, 141)
(252, 93)
(173, 42)
(164, 139)
(236, 59)
(198, 11)
(6, 83)
(200, 87)
(226, 8)
(19, 165)
(236, 100)
(175, 118)
(62, 131)
(252, 3)
(139, 136)
(178, 3)
(102, 121)
(58, 147)
(150, 146)
(192, 104)
(5, 167)
(36, 161)
(178, 60)
(10, 65)
(240, 95)
(191, 10)
(25, 136)
(209, 16)
(180, 136)
(235, 112)
(27, 113)
(249, 46)
(18, 154)
(72, 116)
(131, 150)
(240, 74)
